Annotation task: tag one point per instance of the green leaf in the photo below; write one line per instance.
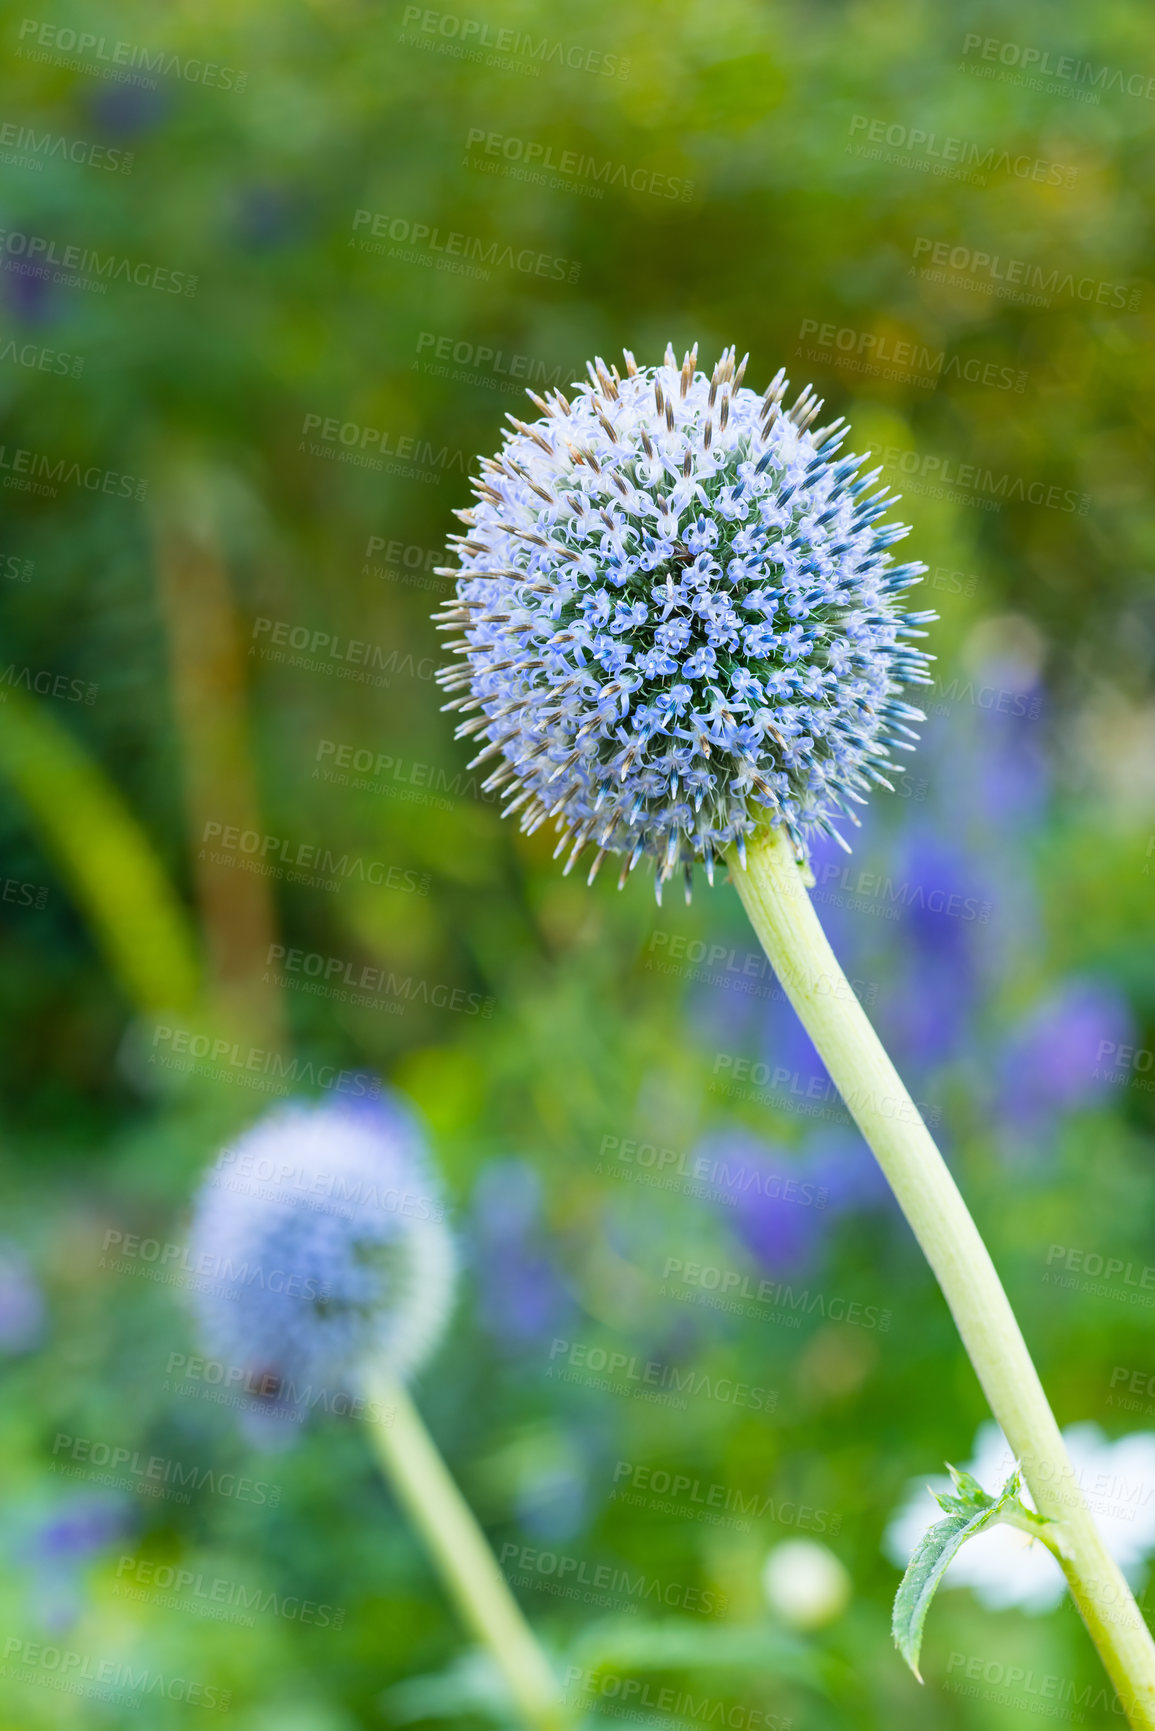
(968, 1512)
(970, 1490)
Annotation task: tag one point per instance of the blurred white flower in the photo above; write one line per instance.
(1007, 1567)
(805, 1584)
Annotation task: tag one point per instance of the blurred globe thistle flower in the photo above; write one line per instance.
(326, 1228)
(680, 618)
(1005, 1566)
(325, 1234)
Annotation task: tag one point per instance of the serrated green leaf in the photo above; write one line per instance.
(968, 1486)
(968, 1513)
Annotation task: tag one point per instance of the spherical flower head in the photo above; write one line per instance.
(679, 618)
(319, 1246)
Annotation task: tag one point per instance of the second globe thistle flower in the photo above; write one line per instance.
(679, 617)
(322, 1230)
(328, 1229)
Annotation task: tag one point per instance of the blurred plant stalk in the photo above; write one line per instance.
(209, 697)
(775, 895)
(461, 1552)
(105, 857)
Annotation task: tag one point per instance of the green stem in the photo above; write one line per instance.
(468, 1568)
(1035, 1527)
(774, 895)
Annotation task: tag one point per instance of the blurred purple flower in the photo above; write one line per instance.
(22, 1314)
(79, 1530)
(128, 112)
(843, 1166)
(521, 1298)
(780, 1202)
(788, 1050)
(723, 1015)
(56, 1545)
(1013, 780)
(931, 976)
(784, 1237)
(928, 1009)
(28, 298)
(770, 1197)
(1062, 1053)
(941, 891)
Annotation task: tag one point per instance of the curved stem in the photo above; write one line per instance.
(467, 1566)
(1035, 1527)
(774, 895)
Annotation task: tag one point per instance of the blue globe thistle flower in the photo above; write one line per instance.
(319, 1244)
(680, 619)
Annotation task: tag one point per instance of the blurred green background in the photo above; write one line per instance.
(223, 228)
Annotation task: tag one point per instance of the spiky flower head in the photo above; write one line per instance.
(319, 1245)
(679, 617)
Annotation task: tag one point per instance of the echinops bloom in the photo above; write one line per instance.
(320, 1244)
(679, 617)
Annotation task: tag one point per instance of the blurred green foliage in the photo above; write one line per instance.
(160, 612)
